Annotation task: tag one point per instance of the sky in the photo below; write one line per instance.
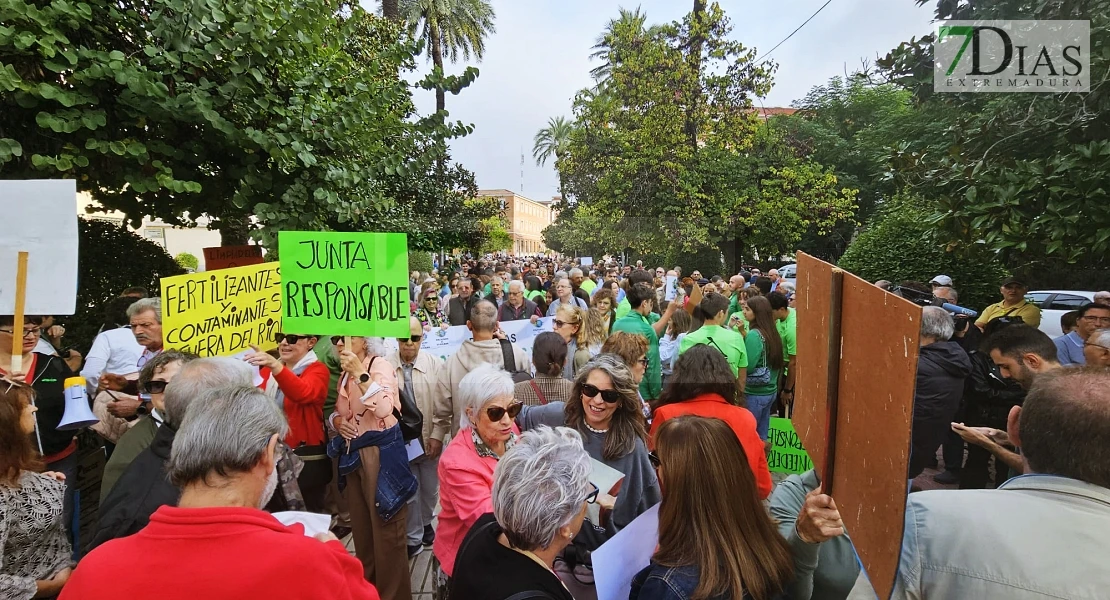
(539, 59)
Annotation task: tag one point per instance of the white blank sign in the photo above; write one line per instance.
(40, 217)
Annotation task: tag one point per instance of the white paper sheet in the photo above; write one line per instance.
(414, 449)
(587, 261)
(256, 375)
(618, 560)
(314, 523)
(605, 478)
(671, 288)
(40, 217)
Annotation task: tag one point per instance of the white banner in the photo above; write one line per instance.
(445, 342)
(40, 217)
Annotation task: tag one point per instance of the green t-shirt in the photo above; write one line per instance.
(489, 290)
(727, 341)
(636, 323)
(588, 285)
(327, 354)
(740, 323)
(533, 294)
(788, 331)
(623, 308)
(754, 343)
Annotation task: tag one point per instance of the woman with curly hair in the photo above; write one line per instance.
(605, 303)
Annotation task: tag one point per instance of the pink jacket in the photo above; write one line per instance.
(465, 488)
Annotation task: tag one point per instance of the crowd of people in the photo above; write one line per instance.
(652, 388)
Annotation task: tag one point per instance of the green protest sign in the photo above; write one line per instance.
(787, 454)
(344, 283)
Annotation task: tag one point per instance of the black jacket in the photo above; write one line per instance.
(141, 489)
(988, 397)
(942, 369)
(50, 396)
(486, 570)
(457, 314)
(508, 313)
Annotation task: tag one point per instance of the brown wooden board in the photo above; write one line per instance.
(811, 386)
(226, 257)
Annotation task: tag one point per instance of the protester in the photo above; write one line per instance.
(942, 367)
(36, 554)
(1069, 321)
(534, 289)
(466, 469)
(642, 321)
(418, 373)
(155, 376)
(374, 472)
(604, 304)
(1089, 317)
(1013, 304)
(143, 486)
(549, 355)
(518, 307)
(590, 338)
(1022, 352)
(702, 385)
(940, 281)
(568, 323)
(712, 312)
(963, 544)
(632, 350)
(605, 410)
(576, 278)
(1102, 298)
(1097, 348)
(428, 312)
(787, 323)
(458, 309)
(146, 324)
(483, 348)
(672, 341)
(46, 374)
(114, 350)
(498, 291)
(715, 538)
(765, 361)
(541, 489)
(564, 295)
(808, 519)
(216, 543)
(298, 382)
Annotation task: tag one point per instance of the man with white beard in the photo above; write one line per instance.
(217, 543)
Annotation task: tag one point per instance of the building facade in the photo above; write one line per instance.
(174, 239)
(525, 218)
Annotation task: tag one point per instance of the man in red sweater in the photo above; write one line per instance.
(216, 544)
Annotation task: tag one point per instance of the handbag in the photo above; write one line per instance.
(409, 417)
(317, 470)
(761, 374)
(510, 363)
(539, 394)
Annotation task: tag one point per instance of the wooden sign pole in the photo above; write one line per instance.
(833, 388)
(17, 321)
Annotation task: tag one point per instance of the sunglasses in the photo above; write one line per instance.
(414, 339)
(592, 496)
(431, 299)
(291, 338)
(156, 387)
(609, 396)
(653, 458)
(559, 323)
(495, 413)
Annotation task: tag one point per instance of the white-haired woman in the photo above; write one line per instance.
(540, 492)
(374, 471)
(466, 468)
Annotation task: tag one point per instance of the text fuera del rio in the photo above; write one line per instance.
(350, 298)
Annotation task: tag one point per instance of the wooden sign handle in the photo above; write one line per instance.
(833, 385)
(17, 320)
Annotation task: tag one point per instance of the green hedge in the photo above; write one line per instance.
(900, 246)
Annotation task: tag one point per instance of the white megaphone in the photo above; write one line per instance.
(77, 414)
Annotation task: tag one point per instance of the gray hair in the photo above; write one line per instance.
(481, 386)
(1101, 337)
(227, 435)
(375, 346)
(516, 285)
(483, 316)
(198, 376)
(142, 305)
(953, 295)
(539, 486)
(560, 274)
(936, 324)
(785, 287)
(575, 272)
(159, 362)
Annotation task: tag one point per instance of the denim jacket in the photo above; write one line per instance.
(396, 483)
(657, 582)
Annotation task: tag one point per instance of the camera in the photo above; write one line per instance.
(960, 315)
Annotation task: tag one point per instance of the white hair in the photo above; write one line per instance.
(1101, 337)
(575, 272)
(516, 285)
(937, 324)
(481, 386)
(142, 305)
(375, 346)
(198, 376)
(539, 486)
(953, 295)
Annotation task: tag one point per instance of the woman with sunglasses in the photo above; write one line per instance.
(541, 491)
(428, 312)
(377, 481)
(703, 384)
(298, 382)
(466, 468)
(605, 409)
(716, 541)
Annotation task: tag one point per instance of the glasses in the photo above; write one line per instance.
(26, 332)
(414, 339)
(1094, 319)
(156, 387)
(653, 458)
(1096, 345)
(609, 396)
(293, 339)
(559, 323)
(495, 413)
(430, 299)
(592, 496)
(643, 361)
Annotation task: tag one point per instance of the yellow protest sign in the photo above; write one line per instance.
(223, 312)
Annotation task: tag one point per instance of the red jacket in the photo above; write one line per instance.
(304, 403)
(739, 419)
(218, 554)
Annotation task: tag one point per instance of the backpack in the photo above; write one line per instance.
(510, 363)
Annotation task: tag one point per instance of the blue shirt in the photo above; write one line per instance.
(1069, 349)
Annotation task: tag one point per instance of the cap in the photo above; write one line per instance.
(1011, 280)
(942, 280)
(703, 281)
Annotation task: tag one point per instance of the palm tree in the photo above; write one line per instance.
(553, 141)
(629, 22)
(391, 10)
(449, 28)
